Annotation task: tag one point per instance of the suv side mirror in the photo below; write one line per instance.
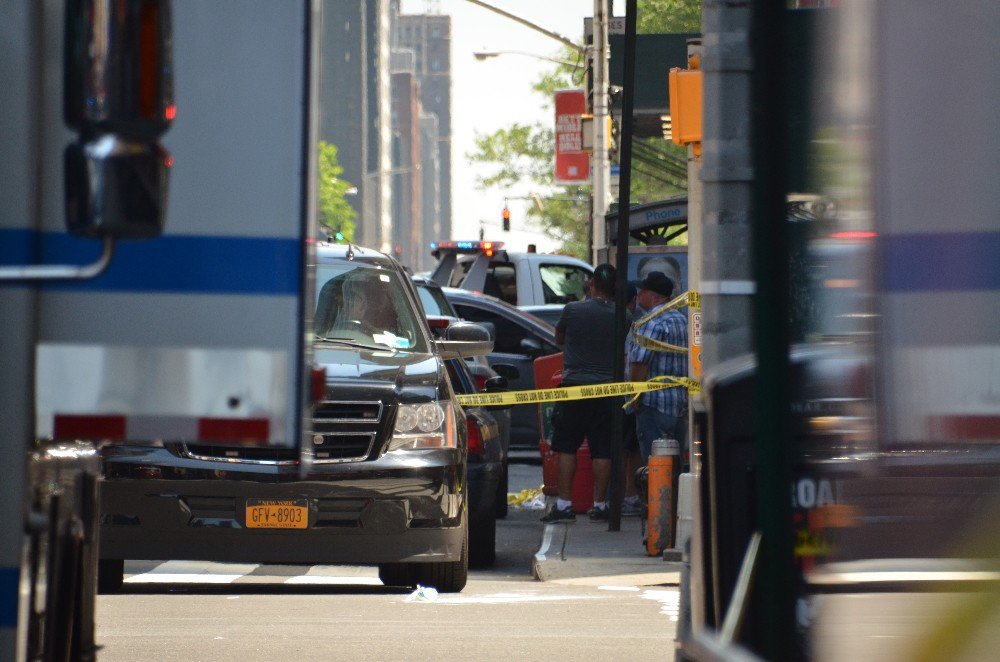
(490, 327)
(509, 371)
(531, 346)
(463, 340)
(494, 384)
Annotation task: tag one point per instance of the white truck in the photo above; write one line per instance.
(523, 279)
(183, 336)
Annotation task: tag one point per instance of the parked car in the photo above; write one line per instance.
(487, 470)
(440, 314)
(381, 481)
(547, 312)
(519, 338)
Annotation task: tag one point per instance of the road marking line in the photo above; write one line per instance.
(192, 572)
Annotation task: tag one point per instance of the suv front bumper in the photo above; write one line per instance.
(358, 513)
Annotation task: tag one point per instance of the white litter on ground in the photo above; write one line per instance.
(669, 601)
(527, 499)
(422, 594)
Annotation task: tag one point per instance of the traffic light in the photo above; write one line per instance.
(506, 219)
(339, 236)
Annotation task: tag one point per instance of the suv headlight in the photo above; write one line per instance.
(424, 425)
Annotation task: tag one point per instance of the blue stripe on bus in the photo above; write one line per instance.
(10, 579)
(941, 262)
(178, 264)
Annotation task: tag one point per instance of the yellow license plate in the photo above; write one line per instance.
(277, 514)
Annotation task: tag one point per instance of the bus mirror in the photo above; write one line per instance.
(117, 67)
(118, 95)
(115, 188)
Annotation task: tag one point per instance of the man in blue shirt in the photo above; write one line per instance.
(660, 414)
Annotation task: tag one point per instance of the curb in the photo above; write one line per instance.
(564, 556)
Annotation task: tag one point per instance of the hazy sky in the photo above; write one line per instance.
(488, 95)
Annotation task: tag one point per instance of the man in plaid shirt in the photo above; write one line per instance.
(660, 414)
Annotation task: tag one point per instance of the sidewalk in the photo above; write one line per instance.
(586, 553)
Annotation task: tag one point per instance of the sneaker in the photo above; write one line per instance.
(556, 514)
(631, 509)
(598, 514)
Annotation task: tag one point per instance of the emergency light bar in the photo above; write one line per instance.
(487, 247)
(466, 246)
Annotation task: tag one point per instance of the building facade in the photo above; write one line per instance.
(355, 91)
(407, 181)
(429, 37)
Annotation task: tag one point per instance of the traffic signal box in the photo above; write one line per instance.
(685, 107)
(506, 219)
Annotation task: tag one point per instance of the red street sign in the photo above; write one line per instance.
(572, 163)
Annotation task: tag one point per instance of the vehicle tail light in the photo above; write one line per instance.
(438, 322)
(475, 439)
(480, 382)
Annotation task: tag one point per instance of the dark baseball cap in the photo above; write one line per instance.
(657, 281)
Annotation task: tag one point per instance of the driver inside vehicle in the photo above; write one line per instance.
(367, 307)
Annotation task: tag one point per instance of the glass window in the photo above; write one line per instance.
(461, 379)
(458, 273)
(434, 302)
(508, 335)
(562, 283)
(365, 303)
(501, 282)
(501, 279)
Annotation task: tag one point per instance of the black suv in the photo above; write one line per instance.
(381, 478)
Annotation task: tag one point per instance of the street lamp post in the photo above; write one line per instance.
(485, 55)
(600, 164)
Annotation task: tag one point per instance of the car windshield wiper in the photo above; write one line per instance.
(355, 343)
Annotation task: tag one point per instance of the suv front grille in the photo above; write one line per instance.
(344, 431)
(248, 454)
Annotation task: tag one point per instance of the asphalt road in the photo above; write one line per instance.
(208, 611)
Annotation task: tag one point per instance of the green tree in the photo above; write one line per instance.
(335, 213)
(521, 156)
(660, 16)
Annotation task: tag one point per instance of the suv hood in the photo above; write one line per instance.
(353, 373)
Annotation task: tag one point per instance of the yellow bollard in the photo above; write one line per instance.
(664, 461)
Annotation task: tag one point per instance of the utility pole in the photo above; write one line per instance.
(600, 164)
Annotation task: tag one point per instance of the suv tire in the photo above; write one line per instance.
(395, 574)
(501, 507)
(446, 576)
(483, 542)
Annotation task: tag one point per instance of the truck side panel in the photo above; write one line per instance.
(937, 206)
(206, 322)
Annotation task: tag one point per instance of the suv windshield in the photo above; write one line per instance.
(562, 283)
(365, 303)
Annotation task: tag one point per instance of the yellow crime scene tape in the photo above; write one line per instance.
(633, 389)
(562, 393)
(689, 298)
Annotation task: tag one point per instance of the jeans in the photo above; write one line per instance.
(654, 424)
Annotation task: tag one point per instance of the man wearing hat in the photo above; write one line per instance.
(660, 414)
